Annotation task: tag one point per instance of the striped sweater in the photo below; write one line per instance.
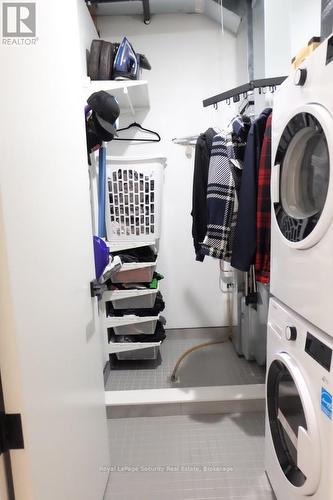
(223, 183)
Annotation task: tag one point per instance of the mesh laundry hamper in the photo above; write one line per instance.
(134, 199)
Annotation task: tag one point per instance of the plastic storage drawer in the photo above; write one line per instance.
(133, 325)
(133, 299)
(149, 353)
(141, 272)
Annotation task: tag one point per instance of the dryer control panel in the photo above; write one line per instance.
(319, 351)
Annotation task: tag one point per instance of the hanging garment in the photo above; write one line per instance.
(226, 156)
(251, 294)
(241, 126)
(263, 250)
(199, 196)
(244, 243)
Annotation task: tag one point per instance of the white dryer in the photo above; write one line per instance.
(299, 388)
(302, 190)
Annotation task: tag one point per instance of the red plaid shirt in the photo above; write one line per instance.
(263, 251)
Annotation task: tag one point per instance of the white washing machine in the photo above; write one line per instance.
(302, 190)
(299, 426)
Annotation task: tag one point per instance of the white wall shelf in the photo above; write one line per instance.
(132, 95)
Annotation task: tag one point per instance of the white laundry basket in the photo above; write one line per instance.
(134, 198)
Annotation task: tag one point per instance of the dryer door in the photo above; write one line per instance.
(301, 177)
(293, 425)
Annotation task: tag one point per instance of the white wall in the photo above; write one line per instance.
(258, 17)
(277, 38)
(50, 352)
(242, 52)
(305, 22)
(289, 25)
(191, 60)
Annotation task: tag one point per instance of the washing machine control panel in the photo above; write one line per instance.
(291, 332)
(300, 76)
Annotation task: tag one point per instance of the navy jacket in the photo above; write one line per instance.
(244, 244)
(199, 197)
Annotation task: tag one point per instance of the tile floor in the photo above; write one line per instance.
(178, 448)
(215, 365)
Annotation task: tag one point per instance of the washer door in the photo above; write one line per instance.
(301, 175)
(293, 425)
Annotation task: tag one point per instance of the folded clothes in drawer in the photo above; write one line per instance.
(153, 310)
(149, 285)
(140, 254)
(135, 273)
(132, 325)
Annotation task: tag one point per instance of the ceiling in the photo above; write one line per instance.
(210, 8)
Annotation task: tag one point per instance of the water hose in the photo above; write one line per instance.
(174, 377)
(189, 351)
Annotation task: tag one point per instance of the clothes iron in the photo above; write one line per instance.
(127, 63)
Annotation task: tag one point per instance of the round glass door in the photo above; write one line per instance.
(303, 156)
(286, 417)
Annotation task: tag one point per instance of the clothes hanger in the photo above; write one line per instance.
(137, 125)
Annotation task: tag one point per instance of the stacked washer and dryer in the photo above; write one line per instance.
(299, 383)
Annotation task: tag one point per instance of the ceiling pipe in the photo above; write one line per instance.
(146, 11)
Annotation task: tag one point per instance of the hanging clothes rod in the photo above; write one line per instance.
(190, 140)
(236, 93)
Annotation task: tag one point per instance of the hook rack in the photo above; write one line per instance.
(234, 94)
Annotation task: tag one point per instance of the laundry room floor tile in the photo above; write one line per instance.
(197, 457)
(217, 364)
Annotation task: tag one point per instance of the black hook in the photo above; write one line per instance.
(228, 101)
(215, 106)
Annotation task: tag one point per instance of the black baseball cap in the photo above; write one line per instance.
(104, 134)
(106, 109)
